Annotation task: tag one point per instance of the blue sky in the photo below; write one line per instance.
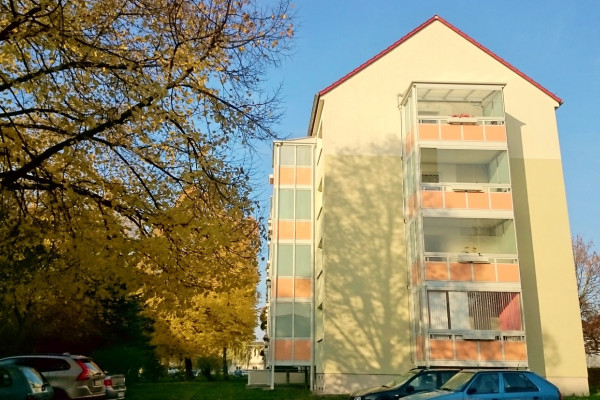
(556, 43)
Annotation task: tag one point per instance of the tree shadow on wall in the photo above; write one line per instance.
(365, 304)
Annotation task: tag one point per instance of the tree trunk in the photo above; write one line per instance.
(225, 369)
(189, 374)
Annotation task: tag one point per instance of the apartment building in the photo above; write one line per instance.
(423, 222)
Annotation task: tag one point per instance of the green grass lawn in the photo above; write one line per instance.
(234, 389)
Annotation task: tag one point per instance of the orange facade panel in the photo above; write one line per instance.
(286, 230)
(303, 176)
(484, 272)
(436, 271)
(289, 230)
(432, 199)
(515, 351)
(429, 132)
(285, 287)
(490, 351)
(283, 349)
(473, 132)
(303, 230)
(460, 272)
(476, 200)
(466, 350)
(495, 133)
(466, 200)
(302, 350)
(451, 132)
(286, 175)
(467, 132)
(456, 200)
(441, 349)
(302, 288)
(508, 273)
(501, 201)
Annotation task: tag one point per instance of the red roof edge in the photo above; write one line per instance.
(455, 29)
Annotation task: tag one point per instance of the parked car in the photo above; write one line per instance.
(71, 376)
(115, 386)
(414, 381)
(23, 383)
(493, 384)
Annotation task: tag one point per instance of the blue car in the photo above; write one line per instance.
(20, 382)
(493, 384)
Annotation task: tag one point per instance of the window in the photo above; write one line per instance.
(286, 203)
(285, 260)
(35, 380)
(303, 261)
(302, 320)
(474, 310)
(303, 202)
(424, 382)
(518, 382)
(283, 319)
(485, 384)
(292, 320)
(5, 380)
(304, 156)
(286, 155)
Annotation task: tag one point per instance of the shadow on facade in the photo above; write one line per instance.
(365, 308)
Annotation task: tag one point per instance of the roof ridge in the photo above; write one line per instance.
(459, 32)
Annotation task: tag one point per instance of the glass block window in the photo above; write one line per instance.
(302, 320)
(304, 156)
(287, 155)
(283, 319)
(285, 260)
(303, 260)
(303, 203)
(286, 203)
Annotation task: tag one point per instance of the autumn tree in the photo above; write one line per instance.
(110, 112)
(122, 104)
(587, 270)
(218, 313)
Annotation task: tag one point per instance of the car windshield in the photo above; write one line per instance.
(401, 379)
(457, 382)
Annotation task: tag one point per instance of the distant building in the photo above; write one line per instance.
(250, 358)
(423, 222)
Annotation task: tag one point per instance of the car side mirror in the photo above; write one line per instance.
(410, 389)
(471, 391)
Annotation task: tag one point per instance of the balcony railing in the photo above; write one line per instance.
(466, 196)
(468, 267)
(506, 349)
(449, 128)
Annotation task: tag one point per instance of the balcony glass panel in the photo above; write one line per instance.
(497, 311)
(464, 166)
(471, 235)
(459, 102)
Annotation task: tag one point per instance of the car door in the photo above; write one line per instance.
(485, 385)
(9, 385)
(517, 386)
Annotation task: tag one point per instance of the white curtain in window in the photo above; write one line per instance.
(438, 310)
(459, 310)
